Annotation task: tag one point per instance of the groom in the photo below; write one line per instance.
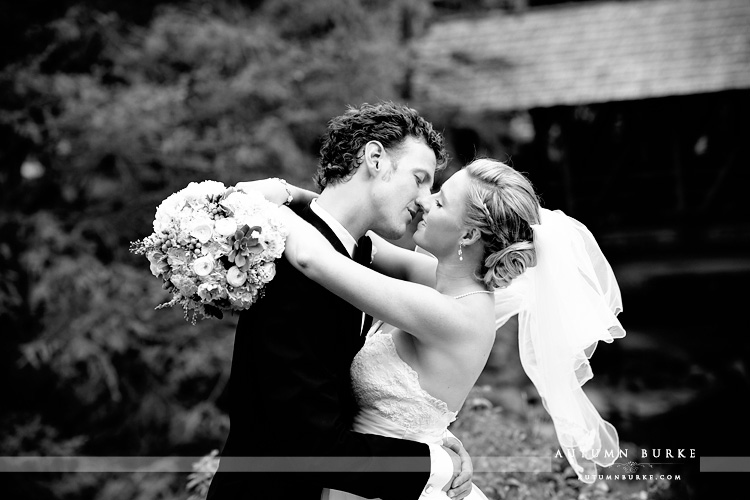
(289, 396)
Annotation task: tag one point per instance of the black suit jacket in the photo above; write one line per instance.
(290, 395)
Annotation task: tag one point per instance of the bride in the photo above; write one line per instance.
(485, 231)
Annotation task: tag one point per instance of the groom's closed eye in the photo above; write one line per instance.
(423, 176)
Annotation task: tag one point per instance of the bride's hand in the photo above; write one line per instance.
(272, 189)
(278, 191)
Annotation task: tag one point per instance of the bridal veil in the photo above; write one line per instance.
(566, 304)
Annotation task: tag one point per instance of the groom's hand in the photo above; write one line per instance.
(460, 487)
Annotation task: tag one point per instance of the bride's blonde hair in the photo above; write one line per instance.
(503, 205)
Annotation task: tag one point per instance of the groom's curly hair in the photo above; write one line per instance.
(387, 122)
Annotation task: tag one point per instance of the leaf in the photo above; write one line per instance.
(212, 311)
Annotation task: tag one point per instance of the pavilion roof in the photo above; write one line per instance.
(583, 53)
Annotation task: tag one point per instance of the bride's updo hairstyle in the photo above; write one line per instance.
(503, 205)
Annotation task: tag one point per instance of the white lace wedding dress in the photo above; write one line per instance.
(392, 403)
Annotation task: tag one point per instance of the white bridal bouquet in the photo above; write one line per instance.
(214, 247)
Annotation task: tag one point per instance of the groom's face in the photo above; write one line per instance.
(407, 173)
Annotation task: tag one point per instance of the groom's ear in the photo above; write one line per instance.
(373, 157)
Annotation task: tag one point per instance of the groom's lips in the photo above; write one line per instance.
(413, 213)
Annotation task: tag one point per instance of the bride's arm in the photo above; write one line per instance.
(417, 309)
(278, 191)
(390, 259)
(403, 264)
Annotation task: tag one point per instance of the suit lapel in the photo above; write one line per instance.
(311, 217)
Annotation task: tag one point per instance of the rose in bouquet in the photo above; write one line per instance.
(214, 247)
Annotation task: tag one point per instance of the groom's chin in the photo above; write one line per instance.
(391, 232)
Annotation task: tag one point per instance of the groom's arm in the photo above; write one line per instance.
(444, 465)
(378, 466)
(450, 470)
(304, 415)
(393, 476)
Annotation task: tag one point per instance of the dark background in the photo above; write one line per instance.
(107, 107)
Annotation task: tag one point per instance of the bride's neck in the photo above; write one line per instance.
(456, 278)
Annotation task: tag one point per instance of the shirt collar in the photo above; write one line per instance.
(339, 230)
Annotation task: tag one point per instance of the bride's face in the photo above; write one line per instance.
(442, 224)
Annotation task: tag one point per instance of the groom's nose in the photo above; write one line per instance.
(423, 203)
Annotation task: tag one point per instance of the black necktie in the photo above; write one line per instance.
(363, 256)
(363, 251)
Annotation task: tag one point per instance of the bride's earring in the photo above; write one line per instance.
(460, 251)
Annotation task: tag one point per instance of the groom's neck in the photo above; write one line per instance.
(345, 204)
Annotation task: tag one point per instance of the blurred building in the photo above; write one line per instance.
(631, 115)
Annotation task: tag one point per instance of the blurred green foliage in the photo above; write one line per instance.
(110, 110)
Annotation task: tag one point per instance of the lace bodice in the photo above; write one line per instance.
(385, 386)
